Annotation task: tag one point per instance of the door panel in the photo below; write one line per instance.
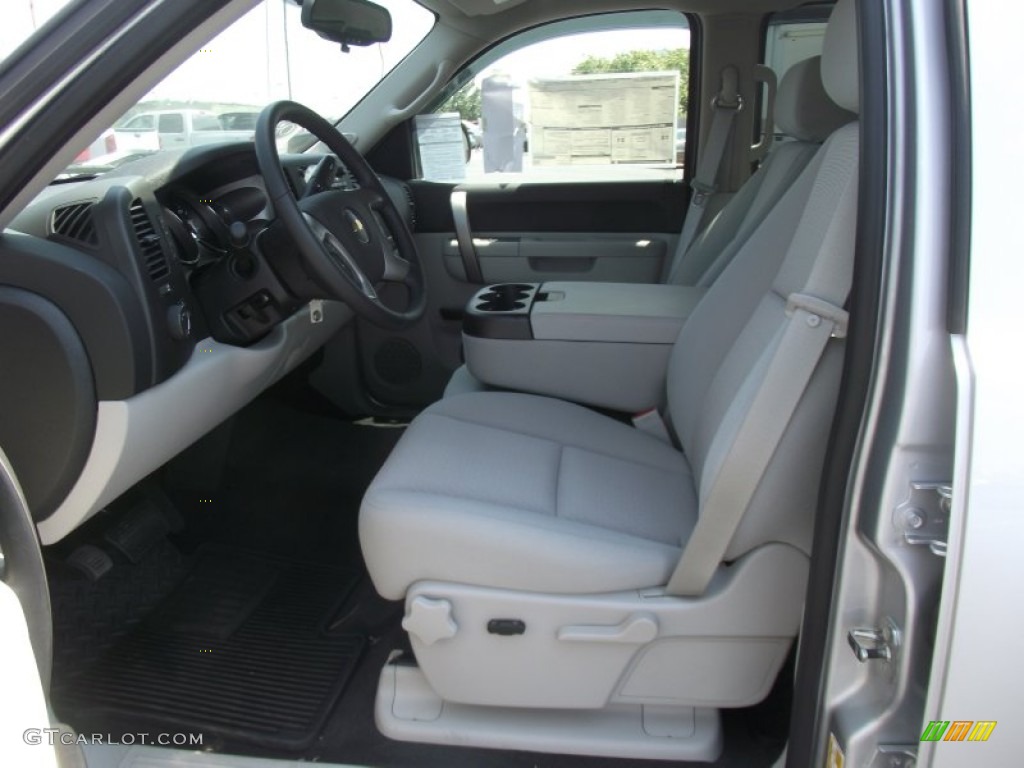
(532, 232)
(506, 257)
(607, 207)
(527, 232)
(654, 206)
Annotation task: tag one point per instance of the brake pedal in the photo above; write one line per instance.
(91, 561)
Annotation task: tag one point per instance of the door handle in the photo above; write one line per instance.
(464, 234)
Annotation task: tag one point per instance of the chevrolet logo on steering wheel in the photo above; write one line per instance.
(358, 228)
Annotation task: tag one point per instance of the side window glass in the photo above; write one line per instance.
(206, 123)
(238, 121)
(140, 123)
(599, 98)
(172, 122)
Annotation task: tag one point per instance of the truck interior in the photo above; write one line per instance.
(333, 457)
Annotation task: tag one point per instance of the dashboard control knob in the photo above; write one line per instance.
(179, 321)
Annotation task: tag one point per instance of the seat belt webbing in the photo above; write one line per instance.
(703, 185)
(812, 322)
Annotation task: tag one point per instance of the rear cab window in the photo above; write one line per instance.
(789, 38)
(595, 98)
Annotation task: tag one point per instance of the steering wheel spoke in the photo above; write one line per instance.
(372, 200)
(341, 257)
(350, 241)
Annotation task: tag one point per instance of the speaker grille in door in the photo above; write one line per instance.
(397, 362)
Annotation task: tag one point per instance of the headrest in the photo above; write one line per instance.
(802, 108)
(840, 70)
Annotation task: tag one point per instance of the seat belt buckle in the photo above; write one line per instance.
(650, 421)
(701, 192)
(818, 310)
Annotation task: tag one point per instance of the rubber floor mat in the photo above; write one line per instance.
(240, 649)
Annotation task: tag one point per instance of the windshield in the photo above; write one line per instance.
(216, 95)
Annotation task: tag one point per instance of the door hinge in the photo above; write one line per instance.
(924, 516)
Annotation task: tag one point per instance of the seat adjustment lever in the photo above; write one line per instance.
(638, 629)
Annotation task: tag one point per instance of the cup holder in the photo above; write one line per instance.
(505, 297)
(501, 311)
(501, 306)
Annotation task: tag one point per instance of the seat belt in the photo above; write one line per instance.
(811, 322)
(726, 104)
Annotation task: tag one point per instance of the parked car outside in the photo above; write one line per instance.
(170, 129)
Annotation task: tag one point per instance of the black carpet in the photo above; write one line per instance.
(242, 649)
(279, 480)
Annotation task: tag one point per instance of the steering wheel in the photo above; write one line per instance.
(351, 241)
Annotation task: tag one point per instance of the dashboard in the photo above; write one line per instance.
(156, 299)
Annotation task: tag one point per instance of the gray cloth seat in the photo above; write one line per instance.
(806, 116)
(526, 492)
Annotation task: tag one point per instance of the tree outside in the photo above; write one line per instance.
(466, 101)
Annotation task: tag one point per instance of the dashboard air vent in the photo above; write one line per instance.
(153, 256)
(75, 222)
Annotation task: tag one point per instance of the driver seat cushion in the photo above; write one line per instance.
(481, 479)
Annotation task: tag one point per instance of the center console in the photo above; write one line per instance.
(603, 344)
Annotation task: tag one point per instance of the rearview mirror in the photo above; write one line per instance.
(349, 22)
